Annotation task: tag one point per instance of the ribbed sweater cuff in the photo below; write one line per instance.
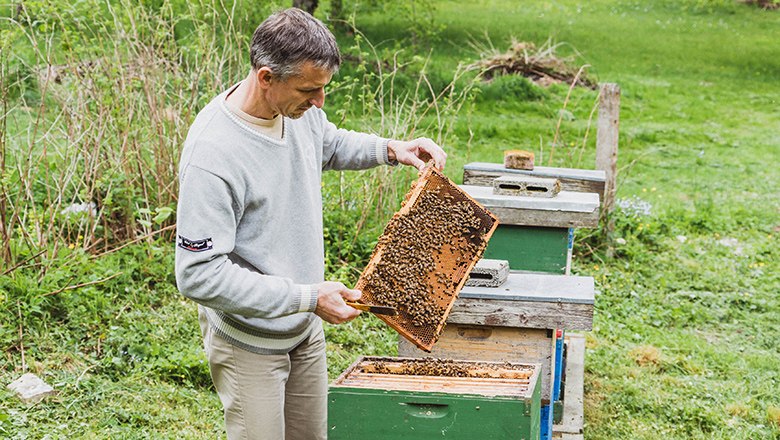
(381, 152)
(308, 298)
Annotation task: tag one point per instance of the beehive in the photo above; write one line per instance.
(424, 256)
(392, 398)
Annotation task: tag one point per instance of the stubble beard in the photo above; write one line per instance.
(299, 113)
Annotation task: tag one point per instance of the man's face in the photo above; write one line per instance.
(296, 94)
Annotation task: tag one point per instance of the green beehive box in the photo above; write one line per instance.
(399, 398)
(533, 232)
(530, 248)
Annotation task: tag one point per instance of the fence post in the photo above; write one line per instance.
(607, 140)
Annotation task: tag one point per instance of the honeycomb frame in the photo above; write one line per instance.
(419, 266)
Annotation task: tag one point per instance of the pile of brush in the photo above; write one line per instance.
(764, 4)
(541, 65)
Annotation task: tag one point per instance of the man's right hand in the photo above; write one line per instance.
(330, 302)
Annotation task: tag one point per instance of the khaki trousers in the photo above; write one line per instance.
(270, 397)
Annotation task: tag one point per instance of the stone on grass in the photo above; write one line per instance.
(30, 388)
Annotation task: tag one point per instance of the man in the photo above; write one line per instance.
(250, 246)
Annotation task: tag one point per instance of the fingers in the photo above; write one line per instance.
(417, 163)
(330, 302)
(433, 151)
(351, 294)
(349, 314)
(418, 152)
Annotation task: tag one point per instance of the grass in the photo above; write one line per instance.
(686, 323)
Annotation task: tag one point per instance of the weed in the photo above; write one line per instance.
(646, 356)
(773, 415)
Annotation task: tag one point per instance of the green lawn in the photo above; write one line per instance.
(687, 317)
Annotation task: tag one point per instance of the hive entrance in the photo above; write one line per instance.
(424, 256)
(516, 187)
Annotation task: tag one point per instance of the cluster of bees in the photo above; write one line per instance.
(421, 251)
(438, 367)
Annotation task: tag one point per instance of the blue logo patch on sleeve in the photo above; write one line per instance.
(195, 245)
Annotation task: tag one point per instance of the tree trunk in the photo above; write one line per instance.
(307, 5)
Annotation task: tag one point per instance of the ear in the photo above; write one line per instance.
(264, 76)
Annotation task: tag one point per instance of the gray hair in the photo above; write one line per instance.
(288, 38)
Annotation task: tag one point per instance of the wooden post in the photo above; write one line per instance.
(607, 140)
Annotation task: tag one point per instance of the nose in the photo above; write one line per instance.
(318, 99)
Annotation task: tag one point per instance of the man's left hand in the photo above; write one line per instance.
(416, 153)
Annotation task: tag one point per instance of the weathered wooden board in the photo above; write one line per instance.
(566, 210)
(485, 343)
(529, 300)
(573, 420)
(607, 139)
(572, 179)
(402, 374)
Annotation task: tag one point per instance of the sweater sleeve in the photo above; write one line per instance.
(207, 218)
(350, 150)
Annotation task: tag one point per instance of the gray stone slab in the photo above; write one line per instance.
(571, 173)
(30, 388)
(535, 287)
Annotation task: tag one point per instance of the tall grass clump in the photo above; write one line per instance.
(104, 94)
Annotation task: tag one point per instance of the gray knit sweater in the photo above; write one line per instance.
(249, 221)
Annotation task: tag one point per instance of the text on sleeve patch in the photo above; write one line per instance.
(195, 245)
